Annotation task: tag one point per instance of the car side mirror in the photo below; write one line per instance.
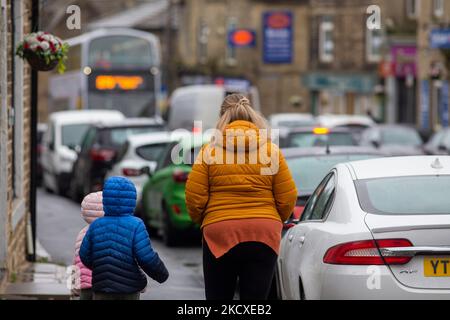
(375, 143)
(75, 148)
(442, 148)
(147, 171)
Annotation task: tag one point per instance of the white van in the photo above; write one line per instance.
(61, 140)
(200, 103)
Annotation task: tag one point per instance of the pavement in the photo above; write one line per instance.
(59, 221)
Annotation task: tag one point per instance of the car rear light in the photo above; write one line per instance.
(176, 209)
(102, 154)
(366, 252)
(180, 176)
(196, 129)
(130, 172)
(288, 226)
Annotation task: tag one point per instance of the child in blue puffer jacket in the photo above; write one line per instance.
(117, 246)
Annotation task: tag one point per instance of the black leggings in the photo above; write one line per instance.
(253, 263)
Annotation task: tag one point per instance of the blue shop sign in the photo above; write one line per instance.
(277, 37)
(440, 39)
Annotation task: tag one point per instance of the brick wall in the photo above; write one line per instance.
(16, 237)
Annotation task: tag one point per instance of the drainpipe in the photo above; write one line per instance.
(33, 137)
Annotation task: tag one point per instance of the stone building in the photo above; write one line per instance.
(16, 240)
(205, 53)
(433, 41)
(335, 57)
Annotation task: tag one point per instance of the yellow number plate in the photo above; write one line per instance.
(436, 267)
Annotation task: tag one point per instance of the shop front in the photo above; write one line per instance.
(350, 93)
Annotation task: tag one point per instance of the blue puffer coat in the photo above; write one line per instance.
(116, 245)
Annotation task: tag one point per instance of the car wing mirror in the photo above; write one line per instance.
(375, 143)
(147, 171)
(442, 148)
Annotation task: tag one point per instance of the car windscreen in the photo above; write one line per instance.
(151, 152)
(116, 137)
(308, 171)
(417, 195)
(295, 123)
(72, 134)
(400, 136)
(309, 139)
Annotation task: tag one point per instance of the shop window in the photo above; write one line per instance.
(438, 8)
(412, 8)
(326, 41)
(374, 43)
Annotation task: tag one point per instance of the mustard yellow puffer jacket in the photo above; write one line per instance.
(259, 187)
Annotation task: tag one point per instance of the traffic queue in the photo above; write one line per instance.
(369, 195)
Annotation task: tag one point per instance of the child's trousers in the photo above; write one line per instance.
(116, 296)
(86, 294)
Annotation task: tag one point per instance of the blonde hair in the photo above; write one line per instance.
(237, 107)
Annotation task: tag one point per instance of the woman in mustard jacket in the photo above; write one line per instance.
(240, 191)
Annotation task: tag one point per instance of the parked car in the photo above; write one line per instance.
(63, 136)
(318, 137)
(355, 123)
(373, 229)
(284, 122)
(394, 140)
(100, 150)
(163, 196)
(138, 159)
(41, 129)
(200, 103)
(310, 165)
(291, 120)
(439, 143)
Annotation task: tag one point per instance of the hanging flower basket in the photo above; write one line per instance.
(43, 51)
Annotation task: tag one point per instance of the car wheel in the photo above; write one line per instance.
(169, 233)
(62, 191)
(301, 289)
(74, 192)
(152, 231)
(46, 186)
(86, 188)
(273, 293)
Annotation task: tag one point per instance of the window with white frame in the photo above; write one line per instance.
(374, 43)
(17, 116)
(326, 42)
(412, 8)
(438, 8)
(3, 134)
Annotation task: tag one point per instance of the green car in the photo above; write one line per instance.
(163, 195)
